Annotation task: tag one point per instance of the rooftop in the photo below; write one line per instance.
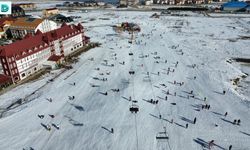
(33, 43)
(26, 22)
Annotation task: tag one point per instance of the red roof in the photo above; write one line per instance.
(2, 20)
(34, 42)
(54, 58)
(4, 79)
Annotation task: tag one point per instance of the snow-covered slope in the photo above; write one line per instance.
(85, 123)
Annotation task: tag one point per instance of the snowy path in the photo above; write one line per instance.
(86, 122)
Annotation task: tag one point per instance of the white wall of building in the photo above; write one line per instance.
(32, 63)
(72, 44)
(46, 25)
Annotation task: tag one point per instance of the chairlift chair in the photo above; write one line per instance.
(162, 136)
(134, 108)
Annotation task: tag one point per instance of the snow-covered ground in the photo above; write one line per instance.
(85, 123)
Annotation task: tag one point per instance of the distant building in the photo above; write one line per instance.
(50, 11)
(60, 18)
(27, 6)
(17, 11)
(25, 57)
(148, 2)
(23, 26)
(128, 2)
(234, 6)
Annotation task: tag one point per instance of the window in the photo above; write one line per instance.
(35, 69)
(23, 74)
(5, 66)
(3, 60)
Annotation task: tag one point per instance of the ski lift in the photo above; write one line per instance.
(131, 72)
(134, 108)
(162, 136)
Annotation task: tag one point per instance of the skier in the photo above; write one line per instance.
(52, 116)
(205, 98)
(174, 93)
(194, 120)
(106, 93)
(166, 98)
(172, 121)
(160, 116)
(48, 127)
(225, 114)
(112, 130)
(194, 77)
(224, 92)
(74, 83)
(235, 121)
(186, 125)
(191, 92)
(210, 144)
(40, 116)
(238, 122)
(208, 107)
(230, 147)
(73, 97)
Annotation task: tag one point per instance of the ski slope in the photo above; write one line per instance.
(85, 122)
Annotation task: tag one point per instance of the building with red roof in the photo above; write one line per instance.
(22, 26)
(25, 57)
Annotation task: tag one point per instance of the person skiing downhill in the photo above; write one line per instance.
(194, 120)
(225, 114)
(112, 130)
